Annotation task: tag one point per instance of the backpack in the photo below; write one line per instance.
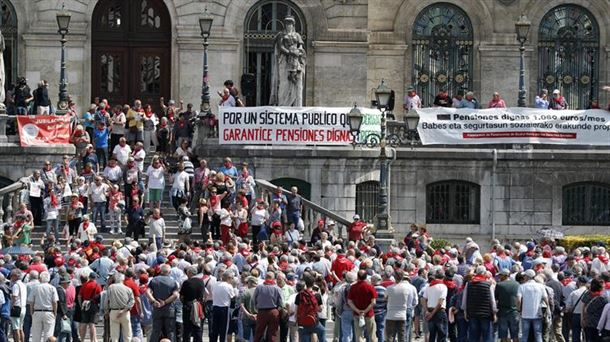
(307, 312)
(146, 310)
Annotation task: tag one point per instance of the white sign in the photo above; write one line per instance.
(292, 125)
(513, 126)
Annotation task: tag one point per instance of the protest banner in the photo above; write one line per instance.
(452, 126)
(42, 130)
(292, 125)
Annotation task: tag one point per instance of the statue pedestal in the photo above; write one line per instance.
(3, 123)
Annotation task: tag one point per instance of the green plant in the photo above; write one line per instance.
(573, 241)
(437, 244)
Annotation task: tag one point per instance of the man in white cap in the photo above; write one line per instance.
(354, 231)
(529, 298)
(557, 102)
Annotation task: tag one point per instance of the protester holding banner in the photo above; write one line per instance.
(469, 101)
(497, 101)
(542, 100)
(558, 102)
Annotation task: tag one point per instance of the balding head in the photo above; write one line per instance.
(165, 269)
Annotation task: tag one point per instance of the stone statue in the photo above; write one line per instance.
(2, 73)
(288, 68)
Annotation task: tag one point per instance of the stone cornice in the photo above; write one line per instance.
(422, 153)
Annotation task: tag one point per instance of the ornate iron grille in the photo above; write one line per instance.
(586, 204)
(568, 54)
(453, 202)
(367, 196)
(442, 51)
(263, 22)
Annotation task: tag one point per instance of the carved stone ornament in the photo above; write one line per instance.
(550, 79)
(506, 2)
(568, 79)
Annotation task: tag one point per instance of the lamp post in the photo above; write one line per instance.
(522, 28)
(205, 23)
(355, 119)
(63, 22)
(382, 95)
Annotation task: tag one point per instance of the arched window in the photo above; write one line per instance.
(131, 51)
(568, 54)
(453, 201)
(442, 51)
(263, 22)
(586, 204)
(8, 25)
(367, 197)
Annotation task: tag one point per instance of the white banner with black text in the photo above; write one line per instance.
(292, 125)
(452, 126)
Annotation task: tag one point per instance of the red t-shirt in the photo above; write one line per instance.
(362, 293)
(136, 294)
(355, 230)
(38, 267)
(89, 290)
(341, 265)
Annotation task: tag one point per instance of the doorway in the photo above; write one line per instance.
(131, 51)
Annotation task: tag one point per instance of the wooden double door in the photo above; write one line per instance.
(123, 74)
(131, 51)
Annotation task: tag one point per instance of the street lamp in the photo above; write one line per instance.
(205, 23)
(63, 22)
(522, 28)
(355, 118)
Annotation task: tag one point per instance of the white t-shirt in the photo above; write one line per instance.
(122, 153)
(292, 235)
(156, 227)
(225, 217)
(36, 187)
(531, 295)
(98, 193)
(89, 234)
(181, 179)
(113, 173)
(141, 154)
(156, 177)
(51, 211)
(434, 293)
(20, 292)
(222, 293)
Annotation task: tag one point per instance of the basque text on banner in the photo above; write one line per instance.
(452, 126)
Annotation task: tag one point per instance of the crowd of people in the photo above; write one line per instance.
(467, 99)
(244, 266)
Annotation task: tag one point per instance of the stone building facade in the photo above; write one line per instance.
(351, 45)
(153, 48)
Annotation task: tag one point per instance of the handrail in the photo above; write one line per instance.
(18, 185)
(339, 219)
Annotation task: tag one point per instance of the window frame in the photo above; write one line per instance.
(473, 208)
(587, 206)
(367, 190)
(569, 46)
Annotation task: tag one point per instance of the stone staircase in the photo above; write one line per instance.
(167, 212)
(311, 214)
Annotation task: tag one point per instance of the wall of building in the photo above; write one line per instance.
(527, 195)
(352, 45)
(17, 162)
